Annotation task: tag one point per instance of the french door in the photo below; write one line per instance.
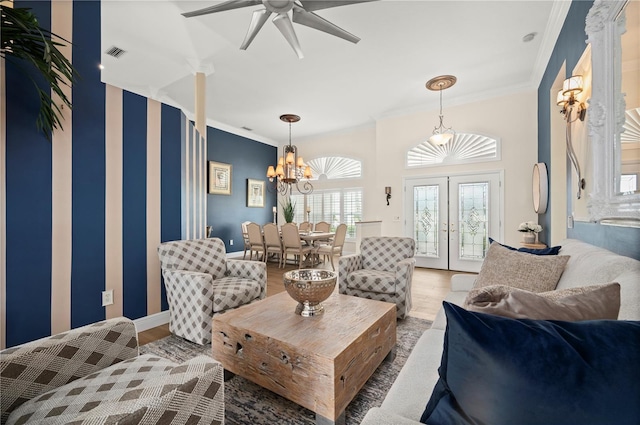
(451, 218)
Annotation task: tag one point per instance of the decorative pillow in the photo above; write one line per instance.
(554, 250)
(497, 371)
(535, 273)
(559, 294)
(597, 302)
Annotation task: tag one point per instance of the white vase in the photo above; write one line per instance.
(529, 238)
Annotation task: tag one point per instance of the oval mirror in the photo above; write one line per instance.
(540, 188)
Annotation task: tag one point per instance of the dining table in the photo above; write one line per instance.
(312, 238)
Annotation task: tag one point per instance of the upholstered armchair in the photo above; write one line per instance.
(382, 271)
(201, 282)
(94, 375)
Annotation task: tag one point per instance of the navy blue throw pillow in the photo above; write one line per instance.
(501, 371)
(553, 250)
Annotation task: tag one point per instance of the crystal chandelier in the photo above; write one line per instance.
(291, 169)
(441, 135)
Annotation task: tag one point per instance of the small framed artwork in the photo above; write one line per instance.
(219, 178)
(255, 193)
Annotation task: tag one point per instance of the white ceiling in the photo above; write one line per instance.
(337, 85)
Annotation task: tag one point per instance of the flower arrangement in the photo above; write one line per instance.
(530, 227)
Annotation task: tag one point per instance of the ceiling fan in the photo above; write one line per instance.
(302, 13)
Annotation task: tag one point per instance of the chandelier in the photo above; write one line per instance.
(291, 169)
(441, 135)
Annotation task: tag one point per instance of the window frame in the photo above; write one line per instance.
(301, 213)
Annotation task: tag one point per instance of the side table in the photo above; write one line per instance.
(537, 245)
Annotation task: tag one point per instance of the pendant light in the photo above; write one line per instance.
(441, 134)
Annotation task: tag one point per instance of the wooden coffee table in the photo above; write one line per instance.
(318, 362)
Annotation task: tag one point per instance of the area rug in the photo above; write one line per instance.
(248, 403)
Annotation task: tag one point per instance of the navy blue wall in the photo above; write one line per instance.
(28, 209)
(134, 211)
(88, 167)
(172, 121)
(249, 160)
(569, 48)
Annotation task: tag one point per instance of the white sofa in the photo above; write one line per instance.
(588, 265)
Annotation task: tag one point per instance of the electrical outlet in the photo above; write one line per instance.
(230, 241)
(107, 297)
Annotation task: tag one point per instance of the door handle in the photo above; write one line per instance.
(452, 229)
(445, 227)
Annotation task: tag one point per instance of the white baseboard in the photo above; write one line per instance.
(236, 254)
(152, 321)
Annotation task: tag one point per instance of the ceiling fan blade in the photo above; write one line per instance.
(311, 5)
(286, 28)
(257, 21)
(310, 19)
(227, 5)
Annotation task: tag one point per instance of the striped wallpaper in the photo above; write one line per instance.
(86, 212)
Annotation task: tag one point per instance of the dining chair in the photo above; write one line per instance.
(323, 226)
(272, 242)
(335, 248)
(293, 244)
(256, 241)
(305, 226)
(245, 238)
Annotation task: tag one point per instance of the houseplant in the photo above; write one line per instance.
(289, 210)
(28, 45)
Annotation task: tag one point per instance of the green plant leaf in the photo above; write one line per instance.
(24, 42)
(289, 210)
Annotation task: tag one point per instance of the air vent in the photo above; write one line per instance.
(114, 51)
(247, 128)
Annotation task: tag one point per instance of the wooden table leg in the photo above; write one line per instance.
(392, 355)
(227, 375)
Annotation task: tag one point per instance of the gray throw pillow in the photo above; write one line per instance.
(535, 273)
(597, 302)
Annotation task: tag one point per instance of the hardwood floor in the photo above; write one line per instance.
(429, 288)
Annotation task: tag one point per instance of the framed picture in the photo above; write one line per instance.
(255, 193)
(219, 178)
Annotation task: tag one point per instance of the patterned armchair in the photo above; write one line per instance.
(202, 282)
(94, 375)
(382, 271)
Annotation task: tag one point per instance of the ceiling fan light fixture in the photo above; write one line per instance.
(278, 6)
(287, 12)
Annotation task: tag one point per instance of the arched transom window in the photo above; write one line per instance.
(335, 167)
(463, 148)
